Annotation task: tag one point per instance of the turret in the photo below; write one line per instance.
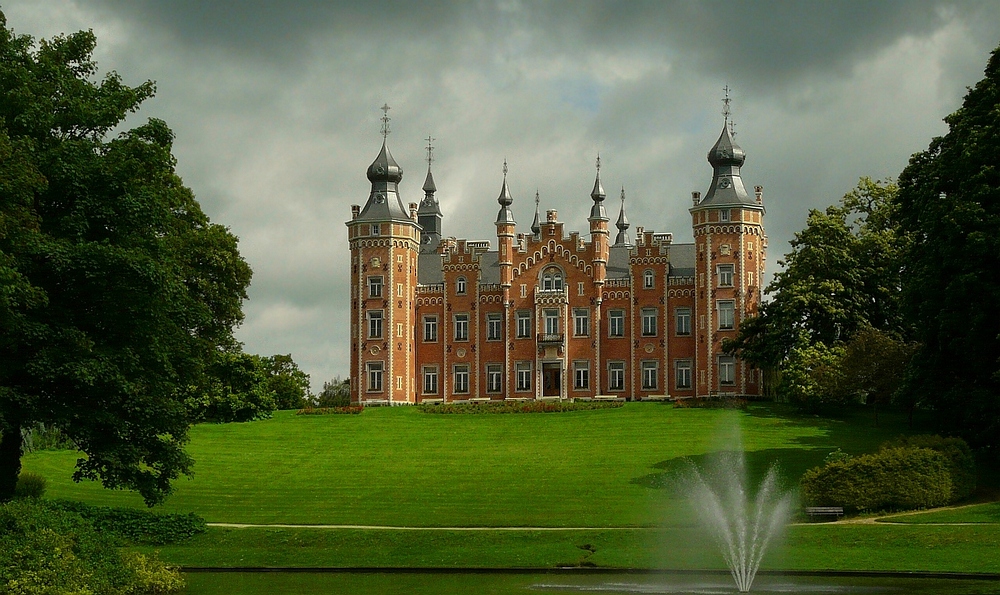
(599, 228)
(505, 232)
(622, 239)
(429, 212)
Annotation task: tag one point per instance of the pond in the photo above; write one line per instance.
(528, 583)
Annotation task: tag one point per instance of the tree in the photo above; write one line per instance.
(289, 384)
(873, 367)
(949, 202)
(116, 291)
(842, 275)
(336, 393)
(237, 390)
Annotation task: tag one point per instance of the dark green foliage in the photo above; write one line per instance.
(44, 550)
(961, 462)
(30, 485)
(722, 403)
(901, 478)
(116, 291)
(287, 382)
(45, 437)
(237, 391)
(336, 393)
(136, 527)
(346, 410)
(523, 407)
(949, 202)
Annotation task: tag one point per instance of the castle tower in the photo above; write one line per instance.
(729, 245)
(384, 239)
(599, 229)
(429, 212)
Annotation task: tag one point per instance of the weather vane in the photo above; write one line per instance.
(725, 104)
(430, 150)
(385, 120)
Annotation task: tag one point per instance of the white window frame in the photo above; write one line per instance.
(494, 378)
(494, 325)
(581, 375)
(461, 322)
(724, 273)
(726, 313)
(375, 371)
(551, 318)
(430, 329)
(375, 286)
(523, 324)
(430, 380)
(727, 370)
(682, 321)
(375, 318)
(650, 374)
(648, 279)
(725, 215)
(616, 323)
(522, 372)
(581, 322)
(649, 322)
(682, 374)
(552, 279)
(460, 286)
(616, 376)
(461, 377)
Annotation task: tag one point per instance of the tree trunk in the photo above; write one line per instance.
(10, 462)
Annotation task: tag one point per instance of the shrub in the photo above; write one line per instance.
(349, 410)
(136, 527)
(48, 551)
(29, 485)
(901, 478)
(961, 462)
(720, 403)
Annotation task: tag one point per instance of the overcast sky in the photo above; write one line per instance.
(275, 109)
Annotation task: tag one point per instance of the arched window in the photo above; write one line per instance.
(647, 279)
(460, 286)
(552, 279)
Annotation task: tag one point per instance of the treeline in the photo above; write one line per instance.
(889, 297)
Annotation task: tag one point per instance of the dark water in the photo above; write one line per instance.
(528, 584)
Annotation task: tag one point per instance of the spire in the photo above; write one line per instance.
(384, 203)
(429, 212)
(505, 216)
(597, 212)
(622, 239)
(385, 121)
(536, 225)
(726, 158)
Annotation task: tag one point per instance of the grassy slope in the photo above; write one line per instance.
(401, 467)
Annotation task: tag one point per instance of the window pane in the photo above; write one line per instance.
(683, 321)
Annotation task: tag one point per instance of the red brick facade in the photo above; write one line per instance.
(551, 313)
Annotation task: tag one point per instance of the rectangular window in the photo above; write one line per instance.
(581, 375)
(462, 378)
(724, 215)
(683, 320)
(375, 286)
(649, 322)
(725, 272)
(579, 288)
(523, 324)
(551, 322)
(581, 322)
(375, 229)
(616, 323)
(650, 374)
(375, 324)
(727, 369)
(725, 308)
(461, 327)
(648, 279)
(523, 375)
(430, 380)
(493, 325)
(430, 329)
(494, 378)
(616, 376)
(682, 369)
(374, 377)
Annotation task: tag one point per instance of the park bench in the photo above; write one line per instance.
(821, 512)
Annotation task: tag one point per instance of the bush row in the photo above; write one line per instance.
(45, 550)
(909, 473)
(519, 407)
(723, 403)
(348, 410)
(136, 527)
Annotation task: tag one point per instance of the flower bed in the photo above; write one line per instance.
(348, 410)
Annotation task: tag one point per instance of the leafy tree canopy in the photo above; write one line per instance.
(949, 203)
(116, 291)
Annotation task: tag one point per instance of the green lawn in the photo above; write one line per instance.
(402, 467)
(988, 513)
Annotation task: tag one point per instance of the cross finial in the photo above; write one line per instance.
(505, 168)
(725, 104)
(623, 195)
(537, 199)
(430, 150)
(598, 163)
(732, 127)
(385, 120)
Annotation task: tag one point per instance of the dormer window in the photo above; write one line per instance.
(552, 279)
(460, 286)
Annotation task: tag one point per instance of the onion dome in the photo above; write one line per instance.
(505, 216)
(597, 194)
(726, 151)
(384, 203)
(385, 168)
(622, 239)
(727, 188)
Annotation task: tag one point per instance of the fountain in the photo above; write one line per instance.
(741, 524)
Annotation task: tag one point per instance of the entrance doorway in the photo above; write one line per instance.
(551, 379)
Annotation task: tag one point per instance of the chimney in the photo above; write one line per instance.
(355, 211)
(413, 211)
(759, 192)
(551, 215)
(696, 197)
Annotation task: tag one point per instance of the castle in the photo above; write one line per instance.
(551, 315)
